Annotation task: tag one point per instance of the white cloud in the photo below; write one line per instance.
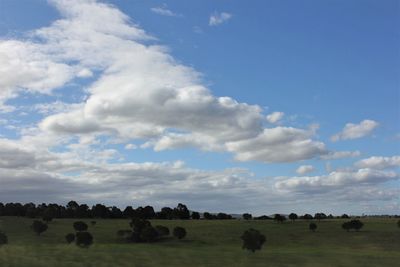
(274, 117)
(219, 18)
(303, 169)
(280, 144)
(164, 11)
(354, 131)
(130, 146)
(340, 155)
(334, 180)
(379, 162)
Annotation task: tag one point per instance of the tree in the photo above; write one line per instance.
(181, 212)
(320, 216)
(179, 232)
(3, 239)
(356, 224)
(149, 234)
(247, 216)
(307, 216)
(312, 227)
(162, 230)
(70, 238)
(83, 239)
(80, 226)
(252, 240)
(207, 216)
(195, 215)
(345, 216)
(346, 226)
(279, 218)
(293, 216)
(39, 227)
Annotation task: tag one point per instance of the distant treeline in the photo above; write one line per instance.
(75, 210)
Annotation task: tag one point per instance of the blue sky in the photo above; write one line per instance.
(239, 103)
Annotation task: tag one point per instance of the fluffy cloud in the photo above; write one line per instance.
(274, 117)
(303, 169)
(334, 180)
(354, 131)
(379, 162)
(219, 18)
(280, 144)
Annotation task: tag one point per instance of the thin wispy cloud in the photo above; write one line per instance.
(219, 18)
(164, 11)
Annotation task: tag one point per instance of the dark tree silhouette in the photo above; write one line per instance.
(312, 227)
(247, 216)
(181, 212)
(345, 216)
(320, 216)
(3, 239)
(39, 227)
(83, 239)
(162, 230)
(307, 216)
(70, 238)
(80, 226)
(195, 215)
(252, 240)
(208, 216)
(149, 234)
(279, 218)
(179, 232)
(293, 216)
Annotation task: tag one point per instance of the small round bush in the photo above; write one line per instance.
(312, 227)
(70, 238)
(179, 232)
(252, 240)
(162, 230)
(80, 226)
(149, 234)
(83, 239)
(39, 227)
(3, 239)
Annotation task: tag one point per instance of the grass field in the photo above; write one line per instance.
(208, 243)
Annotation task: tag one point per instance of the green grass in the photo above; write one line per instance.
(208, 243)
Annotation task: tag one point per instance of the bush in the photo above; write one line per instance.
(162, 230)
(195, 215)
(39, 227)
(353, 224)
(70, 238)
(252, 240)
(3, 239)
(149, 234)
(80, 226)
(83, 239)
(179, 232)
(93, 223)
(312, 227)
(247, 216)
(139, 224)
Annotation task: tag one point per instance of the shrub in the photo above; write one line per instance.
(39, 227)
(83, 239)
(3, 239)
(252, 240)
(195, 215)
(70, 238)
(353, 224)
(346, 226)
(139, 224)
(162, 230)
(247, 216)
(80, 226)
(93, 223)
(312, 227)
(149, 234)
(179, 232)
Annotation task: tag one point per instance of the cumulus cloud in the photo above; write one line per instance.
(219, 18)
(379, 162)
(280, 144)
(335, 180)
(274, 117)
(354, 131)
(303, 169)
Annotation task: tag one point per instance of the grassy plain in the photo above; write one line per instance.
(208, 243)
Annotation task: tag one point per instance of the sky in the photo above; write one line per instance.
(268, 107)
